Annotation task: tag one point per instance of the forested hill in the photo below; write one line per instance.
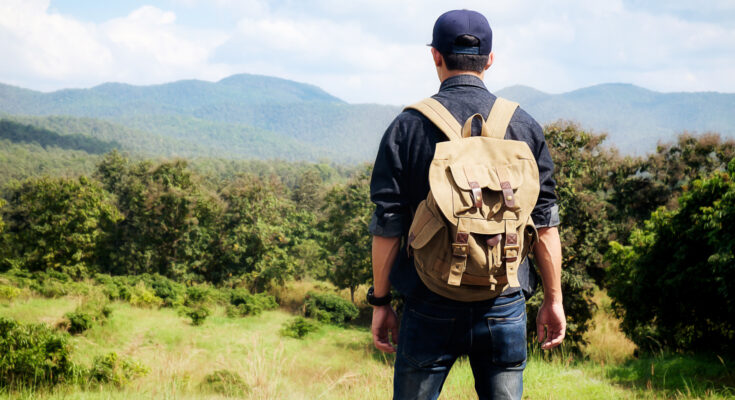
(242, 116)
(634, 118)
(187, 96)
(252, 116)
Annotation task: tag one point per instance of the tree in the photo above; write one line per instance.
(687, 253)
(346, 217)
(3, 245)
(581, 175)
(2, 223)
(169, 219)
(256, 236)
(309, 188)
(641, 185)
(58, 223)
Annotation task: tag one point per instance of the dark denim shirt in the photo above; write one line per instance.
(400, 179)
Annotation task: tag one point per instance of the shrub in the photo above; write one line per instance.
(79, 321)
(196, 295)
(167, 290)
(142, 296)
(54, 284)
(244, 303)
(94, 309)
(197, 314)
(33, 355)
(51, 288)
(225, 382)
(8, 292)
(115, 288)
(299, 327)
(15, 276)
(683, 254)
(195, 304)
(110, 368)
(329, 308)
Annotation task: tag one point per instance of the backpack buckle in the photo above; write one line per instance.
(511, 247)
(511, 252)
(460, 249)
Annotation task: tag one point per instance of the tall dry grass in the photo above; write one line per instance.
(606, 343)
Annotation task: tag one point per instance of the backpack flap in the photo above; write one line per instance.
(479, 191)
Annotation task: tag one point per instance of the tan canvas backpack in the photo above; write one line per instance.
(474, 228)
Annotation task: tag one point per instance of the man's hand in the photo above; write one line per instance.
(385, 328)
(551, 324)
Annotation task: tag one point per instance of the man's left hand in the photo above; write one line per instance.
(551, 324)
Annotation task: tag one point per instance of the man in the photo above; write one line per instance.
(434, 330)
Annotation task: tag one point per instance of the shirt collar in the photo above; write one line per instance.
(462, 80)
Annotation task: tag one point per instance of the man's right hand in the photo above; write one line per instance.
(551, 324)
(385, 328)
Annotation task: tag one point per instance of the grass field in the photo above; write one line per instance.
(340, 363)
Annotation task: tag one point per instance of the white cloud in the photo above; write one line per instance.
(149, 37)
(49, 51)
(47, 47)
(373, 51)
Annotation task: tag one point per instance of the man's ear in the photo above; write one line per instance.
(438, 59)
(490, 59)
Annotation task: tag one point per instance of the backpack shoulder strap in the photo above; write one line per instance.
(500, 116)
(440, 116)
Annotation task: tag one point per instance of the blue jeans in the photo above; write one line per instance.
(432, 337)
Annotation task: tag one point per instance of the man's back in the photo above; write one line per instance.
(434, 330)
(408, 145)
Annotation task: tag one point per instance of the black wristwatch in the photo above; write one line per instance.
(377, 301)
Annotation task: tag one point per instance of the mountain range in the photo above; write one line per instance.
(252, 116)
(634, 118)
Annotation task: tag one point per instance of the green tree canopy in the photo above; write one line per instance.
(169, 218)
(347, 215)
(256, 234)
(674, 283)
(58, 224)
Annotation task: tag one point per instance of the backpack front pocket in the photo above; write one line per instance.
(428, 238)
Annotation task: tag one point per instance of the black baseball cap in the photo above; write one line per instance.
(453, 24)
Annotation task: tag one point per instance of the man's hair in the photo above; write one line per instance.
(466, 62)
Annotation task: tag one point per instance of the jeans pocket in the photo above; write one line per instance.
(508, 336)
(425, 339)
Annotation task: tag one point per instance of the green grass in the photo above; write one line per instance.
(332, 363)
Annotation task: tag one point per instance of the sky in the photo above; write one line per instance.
(366, 51)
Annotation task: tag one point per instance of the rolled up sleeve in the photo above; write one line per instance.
(392, 209)
(546, 211)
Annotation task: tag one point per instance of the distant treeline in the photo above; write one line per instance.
(648, 229)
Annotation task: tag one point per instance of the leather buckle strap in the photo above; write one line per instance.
(476, 194)
(511, 247)
(511, 253)
(505, 186)
(460, 247)
(507, 194)
(475, 189)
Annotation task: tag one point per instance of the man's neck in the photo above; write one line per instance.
(446, 74)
